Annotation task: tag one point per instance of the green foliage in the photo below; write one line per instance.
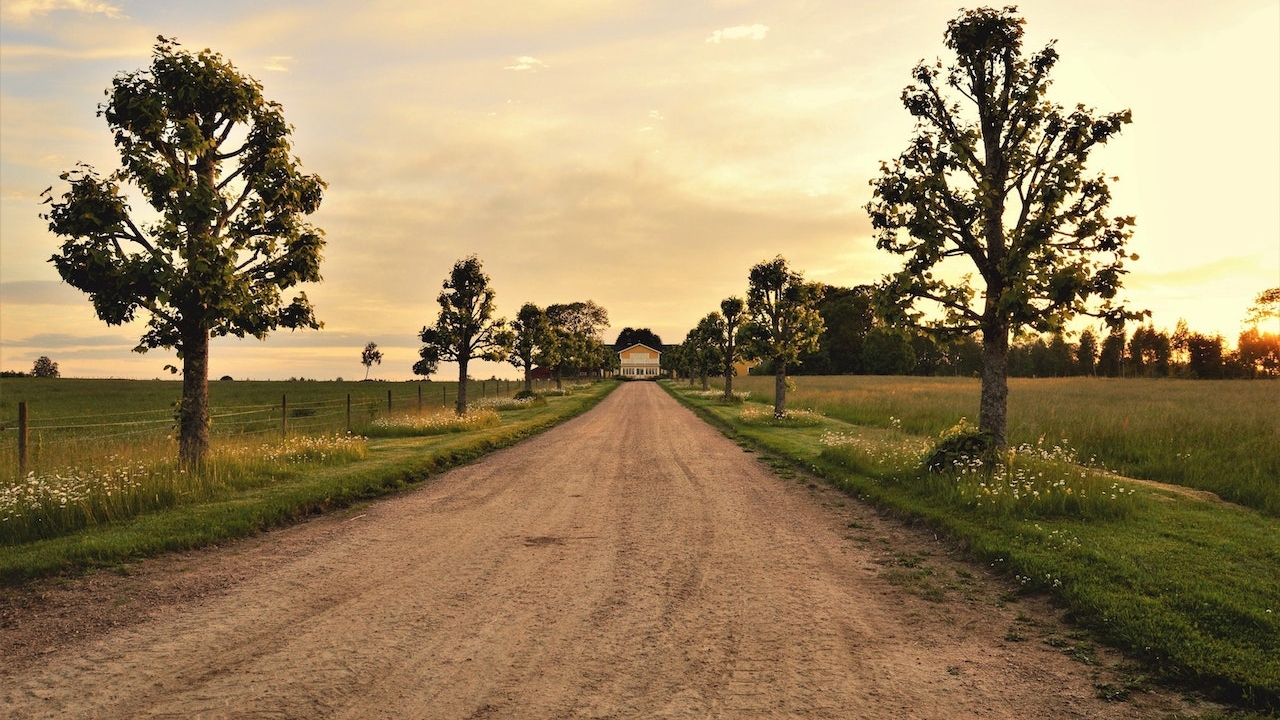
(370, 356)
(227, 240)
(44, 368)
(782, 321)
(887, 351)
(1004, 187)
(734, 312)
(530, 335)
(847, 318)
(704, 346)
(465, 328)
(637, 336)
(960, 446)
(574, 339)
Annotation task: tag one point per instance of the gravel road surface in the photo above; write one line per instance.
(631, 563)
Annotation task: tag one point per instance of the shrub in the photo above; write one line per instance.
(959, 446)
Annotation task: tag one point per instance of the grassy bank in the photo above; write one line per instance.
(274, 493)
(1189, 585)
(1215, 435)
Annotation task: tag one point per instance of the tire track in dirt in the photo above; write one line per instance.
(631, 563)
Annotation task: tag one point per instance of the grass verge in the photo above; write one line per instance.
(390, 465)
(1188, 585)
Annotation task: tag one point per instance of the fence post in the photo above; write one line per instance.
(388, 401)
(444, 395)
(284, 416)
(22, 440)
(348, 413)
(419, 398)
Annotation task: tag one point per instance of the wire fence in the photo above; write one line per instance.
(30, 439)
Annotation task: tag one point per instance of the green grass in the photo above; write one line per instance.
(1220, 436)
(67, 412)
(1188, 585)
(270, 492)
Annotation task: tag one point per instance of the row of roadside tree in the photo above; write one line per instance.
(565, 338)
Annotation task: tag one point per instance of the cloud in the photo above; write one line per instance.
(26, 9)
(279, 63)
(739, 32)
(39, 292)
(525, 63)
(65, 340)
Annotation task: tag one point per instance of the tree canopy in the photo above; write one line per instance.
(703, 347)
(212, 159)
(632, 336)
(734, 313)
(995, 176)
(369, 357)
(782, 322)
(531, 334)
(574, 339)
(43, 367)
(465, 328)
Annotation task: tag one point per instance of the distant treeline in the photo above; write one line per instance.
(857, 342)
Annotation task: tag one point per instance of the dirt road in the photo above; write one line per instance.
(632, 563)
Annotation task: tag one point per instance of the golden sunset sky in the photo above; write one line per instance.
(639, 153)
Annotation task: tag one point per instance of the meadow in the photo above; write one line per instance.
(102, 484)
(1222, 436)
(1185, 583)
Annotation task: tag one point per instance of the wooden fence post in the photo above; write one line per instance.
(348, 413)
(444, 396)
(22, 440)
(419, 398)
(388, 401)
(284, 416)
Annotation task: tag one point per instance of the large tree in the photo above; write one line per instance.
(45, 368)
(226, 229)
(574, 339)
(783, 321)
(995, 176)
(734, 312)
(704, 346)
(466, 328)
(530, 328)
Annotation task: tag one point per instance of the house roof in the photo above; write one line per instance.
(639, 345)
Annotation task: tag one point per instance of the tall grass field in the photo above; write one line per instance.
(1222, 436)
(1100, 504)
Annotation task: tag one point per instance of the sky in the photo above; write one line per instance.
(643, 154)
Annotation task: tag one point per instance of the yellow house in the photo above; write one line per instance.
(639, 361)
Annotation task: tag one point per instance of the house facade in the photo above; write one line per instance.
(639, 361)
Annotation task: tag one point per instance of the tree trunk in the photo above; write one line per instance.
(528, 378)
(193, 412)
(993, 410)
(779, 387)
(706, 385)
(558, 373)
(462, 385)
(728, 380)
